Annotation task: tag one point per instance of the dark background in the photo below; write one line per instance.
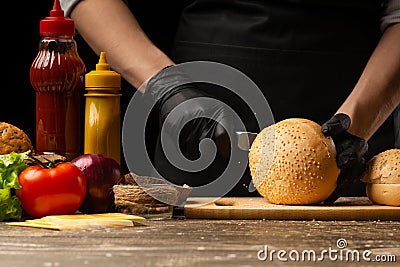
(21, 41)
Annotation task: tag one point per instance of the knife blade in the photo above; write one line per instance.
(245, 139)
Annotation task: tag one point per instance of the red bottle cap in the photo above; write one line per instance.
(57, 23)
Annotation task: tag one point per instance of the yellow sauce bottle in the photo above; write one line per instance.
(102, 111)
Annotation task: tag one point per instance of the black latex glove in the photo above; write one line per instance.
(350, 151)
(171, 87)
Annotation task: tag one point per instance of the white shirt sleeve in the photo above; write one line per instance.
(68, 5)
(391, 14)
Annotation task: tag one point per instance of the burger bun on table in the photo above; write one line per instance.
(382, 175)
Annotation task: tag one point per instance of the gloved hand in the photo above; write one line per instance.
(350, 151)
(199, 119)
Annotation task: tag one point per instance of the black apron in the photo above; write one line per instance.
(305, 56)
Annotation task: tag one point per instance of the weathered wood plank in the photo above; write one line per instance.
(194, 243)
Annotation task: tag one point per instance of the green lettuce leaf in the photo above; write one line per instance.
(10, 206)
(11, 165)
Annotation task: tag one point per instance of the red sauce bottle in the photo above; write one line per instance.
(57, 75)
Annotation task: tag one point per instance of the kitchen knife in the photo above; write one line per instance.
(244, 140)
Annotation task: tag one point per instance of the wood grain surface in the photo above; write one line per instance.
(351, 208)
(197, 243)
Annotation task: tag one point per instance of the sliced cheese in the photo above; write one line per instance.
(82, 221)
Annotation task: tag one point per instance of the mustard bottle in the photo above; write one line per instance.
(102, 111)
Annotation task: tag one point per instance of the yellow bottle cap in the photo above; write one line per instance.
(102, 77)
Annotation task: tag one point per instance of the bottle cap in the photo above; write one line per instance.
(57, 23)
(102, 77)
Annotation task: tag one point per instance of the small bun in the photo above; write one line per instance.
(292, 162)
(384, 194)
(383, 168)
(13, 139)
(382, 175)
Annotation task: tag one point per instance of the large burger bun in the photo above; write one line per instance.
(382, 175)
(291, 162)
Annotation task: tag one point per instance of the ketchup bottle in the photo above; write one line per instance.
(57, 75)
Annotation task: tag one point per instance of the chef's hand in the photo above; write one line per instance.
(350, 151)
(195, 120)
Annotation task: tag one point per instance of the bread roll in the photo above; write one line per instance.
(292, 162)
(384, 194)
(13, 139)
(382, 175)
(383, 168)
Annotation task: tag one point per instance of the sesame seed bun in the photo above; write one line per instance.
(383, 168)
(382, 175)
(291, 162)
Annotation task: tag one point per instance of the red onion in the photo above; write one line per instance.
(101, 173)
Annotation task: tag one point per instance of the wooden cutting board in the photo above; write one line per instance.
(350, 208)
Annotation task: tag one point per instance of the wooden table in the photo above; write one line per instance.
(199, 242)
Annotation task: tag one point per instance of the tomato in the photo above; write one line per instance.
(51, 191)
